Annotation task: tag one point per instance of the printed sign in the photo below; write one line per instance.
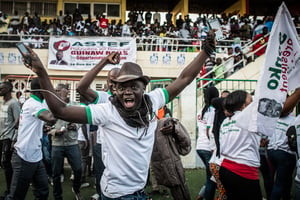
(73, 53)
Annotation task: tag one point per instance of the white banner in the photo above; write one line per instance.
(279, 74)
(83, 53)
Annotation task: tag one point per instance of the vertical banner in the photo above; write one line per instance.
(279, 74)
(83, 53)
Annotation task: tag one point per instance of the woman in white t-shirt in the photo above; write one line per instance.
(282, 159)
(205, 141)
(239, 172)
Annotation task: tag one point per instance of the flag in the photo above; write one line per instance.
(279, 75)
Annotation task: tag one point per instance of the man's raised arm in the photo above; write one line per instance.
(87, 79)
(58, 108)
(192, 70)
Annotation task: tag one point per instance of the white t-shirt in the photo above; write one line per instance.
(203, 142)
(102, 97)
(126, 150)
(239, 145)
(30, 132)
(81, 136)
(279, 139)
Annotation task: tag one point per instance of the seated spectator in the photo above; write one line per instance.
(263, 39)
(258, 29)
(3, 23)
(184, 34)
(15, 20)
(245, 30)
(218, 69)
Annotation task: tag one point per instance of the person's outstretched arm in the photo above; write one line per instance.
(291, 102)
(87, 79)
(192, 70)
(59, 109)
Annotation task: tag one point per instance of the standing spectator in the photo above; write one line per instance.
(126, 30)
(97, 98)
(128, 135)
(140, 19)
(68, 19)
(179, 22)
(148, 17)
(27, 158)
(103, 24)
(187, 22)
(228, 62)
(4, 22)
(239, 149)
(26, 19)
(36, 20)
(65, 144)
(77, 16)
(60, 18)
(258, 28)
(245, 30)
(288, 107)
(234, 28)
(226, 29)
(131, 17)
(269, 23)
(209, 65)
(205, 141)
(169, 16)
(216, 160)
(282, 158)
(184, 34)
(9, 118)
(260, 40)
(171, 141)
(15, 21)
(156, 17)
(218, 69)
(238, 56)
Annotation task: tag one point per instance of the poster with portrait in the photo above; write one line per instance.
(153, 58)
(181, 59)
(1, 58)
(167, 59)
(12, 58)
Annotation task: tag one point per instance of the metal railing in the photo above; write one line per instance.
(249, 56)
(150, 43)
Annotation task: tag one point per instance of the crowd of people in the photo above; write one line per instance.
(148, 28)
(233, 156)
(140, 24)
(124, 123)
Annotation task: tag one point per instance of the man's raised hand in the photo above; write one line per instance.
(113, 58)
(36, 64)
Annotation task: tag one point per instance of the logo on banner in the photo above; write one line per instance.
(62, 45)
(74, 53)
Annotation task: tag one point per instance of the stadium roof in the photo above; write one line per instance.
(255, 7)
